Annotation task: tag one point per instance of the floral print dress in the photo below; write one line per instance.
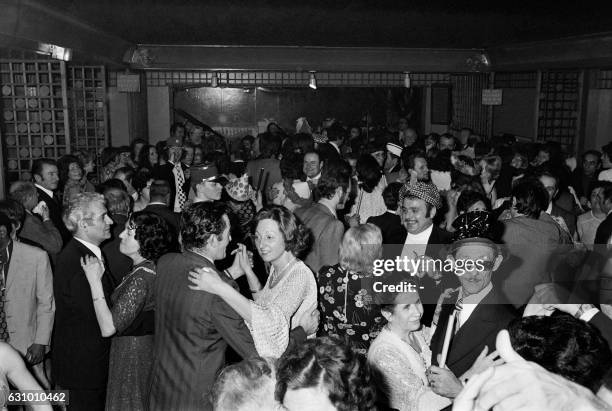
(348, 309)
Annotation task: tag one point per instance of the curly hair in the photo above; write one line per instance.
(368, 172)
(295, 234)
(328, 364)
(200, 221)
(80, 207)
(563, 345)
(152, 234)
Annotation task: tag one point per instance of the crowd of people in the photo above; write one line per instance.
(193, 275)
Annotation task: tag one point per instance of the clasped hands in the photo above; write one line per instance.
(207, 279)
(443, 382)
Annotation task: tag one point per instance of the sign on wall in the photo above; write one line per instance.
(492, 97)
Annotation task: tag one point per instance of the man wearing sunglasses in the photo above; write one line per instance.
(479, 314)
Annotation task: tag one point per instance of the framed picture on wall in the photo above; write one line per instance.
(440, 104)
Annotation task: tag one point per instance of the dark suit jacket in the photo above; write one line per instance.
(329, 152)
(480, 330)
(118, 264)
(604, 231)
(172, 219)
(327, 232)
(569, 218)
(79, 352)
(192, 331)
(164, 172)
(432, 290)
(55, 213)
(393, 232)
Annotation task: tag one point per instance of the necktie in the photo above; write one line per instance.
(458, 308)
(4, 335)
(180, 180)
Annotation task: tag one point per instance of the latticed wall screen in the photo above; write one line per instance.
(468, 110)
(88, 113)
(35, 114)
(559, 107)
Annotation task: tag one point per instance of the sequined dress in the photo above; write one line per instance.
(402, 370)
(130, 356)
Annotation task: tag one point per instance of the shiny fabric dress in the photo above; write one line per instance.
(131, 357)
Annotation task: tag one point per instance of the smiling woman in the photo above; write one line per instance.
(290, 291)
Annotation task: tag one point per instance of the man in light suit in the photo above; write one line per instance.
(29, 304)
(321, 217)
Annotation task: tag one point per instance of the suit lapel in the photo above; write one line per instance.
(17, 260)
(468, 338)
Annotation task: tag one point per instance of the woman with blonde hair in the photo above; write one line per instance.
(490, 169)
(348, 310)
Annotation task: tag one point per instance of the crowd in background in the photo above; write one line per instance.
(200, 273)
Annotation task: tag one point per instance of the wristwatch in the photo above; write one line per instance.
(582, 309)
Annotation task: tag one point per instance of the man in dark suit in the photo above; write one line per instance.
(475, 315)
(79, 352)
(46, 179)
(321, 218)
(604, 231)
(332, 150)
(160, 198)
(174, 172)
(390, 223)
(194, 328)
(419, 204)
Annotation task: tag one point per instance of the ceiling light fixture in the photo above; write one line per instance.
(312, 82)
(407, 79)
(56, 52)
(214, 82)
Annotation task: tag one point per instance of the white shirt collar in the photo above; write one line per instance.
(315, 178)
(92, 247)
(470, 302)
(392, 211)
(549, 209)
(335, 146)
(45, 190)
(420, 238)
(329, 208)
(157, 203)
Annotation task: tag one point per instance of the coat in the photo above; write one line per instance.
(164, 172)
(192, 332)
(488, 318)
(327, 232)
(30, 306)
(79, 352)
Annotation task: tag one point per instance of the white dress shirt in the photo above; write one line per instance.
(469, 304)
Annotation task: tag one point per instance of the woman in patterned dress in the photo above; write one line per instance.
(130, 320)
(290, 289)
(348, 309)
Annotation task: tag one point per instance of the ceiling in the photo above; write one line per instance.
(347, 23)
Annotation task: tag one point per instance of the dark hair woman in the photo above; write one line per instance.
(369, 201)
(144, 239)
(325, 374)
(289, 291)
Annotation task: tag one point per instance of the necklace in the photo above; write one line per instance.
(278, 275)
